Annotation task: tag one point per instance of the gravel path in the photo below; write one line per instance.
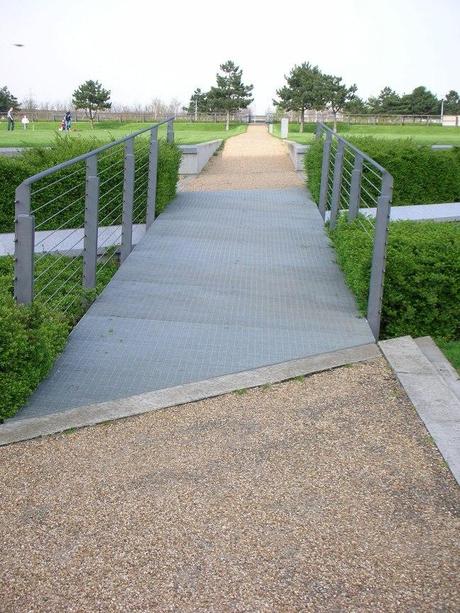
(324, 494)
(254, 160)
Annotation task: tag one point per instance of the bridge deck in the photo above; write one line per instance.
(222, 282)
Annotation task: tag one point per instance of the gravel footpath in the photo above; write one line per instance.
(254, 160)
(324, 494)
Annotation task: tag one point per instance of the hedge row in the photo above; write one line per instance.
(421, 175)
(422, 279)
(62, 201)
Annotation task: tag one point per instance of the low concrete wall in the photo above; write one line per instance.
(297, 153)
(195, 157)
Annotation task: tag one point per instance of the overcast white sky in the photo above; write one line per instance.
(141, 49)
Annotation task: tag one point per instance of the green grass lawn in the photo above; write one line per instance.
(425, 135)
(43, 133)
(451, 350)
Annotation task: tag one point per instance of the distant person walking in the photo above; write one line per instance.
(68, 120)
(25, 122)
(10, 118)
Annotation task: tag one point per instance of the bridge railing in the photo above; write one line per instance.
(355, 185)
(73, 219)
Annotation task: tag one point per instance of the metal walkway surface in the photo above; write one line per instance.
(222, 282)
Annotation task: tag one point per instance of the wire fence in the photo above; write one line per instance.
(356, 188)
(75, 221)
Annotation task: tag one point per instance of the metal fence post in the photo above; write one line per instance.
(337, 183)
(325, 175)
(355, 188)
(128, 197)
(152, 180)
(374, 305)
(24, 242)
(91, 223)
(170, 132)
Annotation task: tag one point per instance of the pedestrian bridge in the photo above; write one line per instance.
(233, 276)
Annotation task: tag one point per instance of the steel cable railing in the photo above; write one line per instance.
(356, 186)
(75, 219)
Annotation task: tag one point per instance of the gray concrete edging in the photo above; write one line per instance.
(195, 157)
(297, 154)
(434, 401)
(25, 429)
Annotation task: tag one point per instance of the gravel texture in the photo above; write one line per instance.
(253, 160)
(321, 494)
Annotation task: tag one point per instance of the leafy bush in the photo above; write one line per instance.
(421, 175)
(31, 337)
(422, 279)
(59, 198)
(313, 161)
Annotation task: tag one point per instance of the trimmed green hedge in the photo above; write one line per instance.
(422, 279)
(31, 337)
(421, 175)
(66, 198)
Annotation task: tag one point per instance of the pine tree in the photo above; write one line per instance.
(91, 97)
(230, 95)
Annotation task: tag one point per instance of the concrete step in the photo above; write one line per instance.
(442, 365)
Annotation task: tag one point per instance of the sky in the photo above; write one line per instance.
(145, 49)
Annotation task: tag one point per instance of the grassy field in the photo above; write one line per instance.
(451, 350)
(42, 133)
(425, 135)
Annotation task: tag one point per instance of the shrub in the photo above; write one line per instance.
(422, 279)
(31, 337)
(313, 161)
(421, 175)
(63, 201)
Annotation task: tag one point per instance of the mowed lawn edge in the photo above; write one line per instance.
(41, 134)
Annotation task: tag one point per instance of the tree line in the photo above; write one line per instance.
(307, 87)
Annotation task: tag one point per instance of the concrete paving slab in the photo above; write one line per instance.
(435, 402)
(70, 241)
(443, 212)
(442, 365)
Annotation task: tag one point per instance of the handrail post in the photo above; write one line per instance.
(374, 304)
(170, 132)
(152, 177)
(355, 188)
(128, 198)
(337, 183)
(24, 242)
(91, 223)
(325, 175)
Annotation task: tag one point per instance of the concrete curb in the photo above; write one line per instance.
(434, 401)
(25, 429)
(195, 157)
(442, 365)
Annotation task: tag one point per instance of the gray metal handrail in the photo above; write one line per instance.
(350, 182)
(90, 194)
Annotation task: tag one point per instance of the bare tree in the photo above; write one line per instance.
(174, 107)
(157, 107)
(29, 104)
